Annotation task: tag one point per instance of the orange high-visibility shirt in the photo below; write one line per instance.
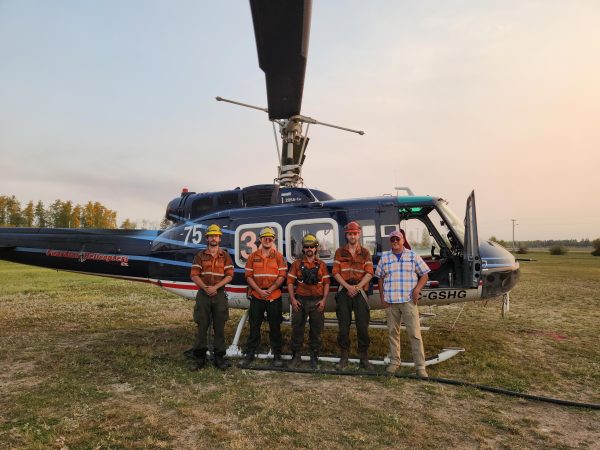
(212, 269)
(265, 270)
(352, 268)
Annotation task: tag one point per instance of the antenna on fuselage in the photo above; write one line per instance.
(405, 189)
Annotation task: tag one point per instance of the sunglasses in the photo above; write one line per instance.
(309, 246)
(395, 239)
(268, 239)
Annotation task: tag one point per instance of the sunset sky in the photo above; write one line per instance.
(113, 101)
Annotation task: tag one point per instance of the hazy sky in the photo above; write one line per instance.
(114, 101)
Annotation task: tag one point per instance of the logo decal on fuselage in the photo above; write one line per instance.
(85, 256)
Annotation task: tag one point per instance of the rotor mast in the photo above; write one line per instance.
(294, 139)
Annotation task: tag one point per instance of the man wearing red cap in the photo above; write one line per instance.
(402, 274)
(353, 269)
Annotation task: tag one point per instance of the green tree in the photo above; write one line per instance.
(96, 215)
(60, 214)
(499, 241)
(53, 214)
(425, 241)
(164, 223)
(128, 225)
(40, 215)
(65, 214)
(3, 216)
(88, 215)
(28, 214)
(558, 250)
(596, 244)
(13, 212)
(104, 217)
(523, 249)
(76, 216)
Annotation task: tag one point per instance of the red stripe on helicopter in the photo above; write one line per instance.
(236, 289)
(193, 287)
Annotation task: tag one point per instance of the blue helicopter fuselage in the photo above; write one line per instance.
(462, 269)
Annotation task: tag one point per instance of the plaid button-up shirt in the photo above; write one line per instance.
(400, 276)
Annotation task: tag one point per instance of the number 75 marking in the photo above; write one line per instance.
(195, 232)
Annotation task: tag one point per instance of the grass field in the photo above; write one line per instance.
(89, 362)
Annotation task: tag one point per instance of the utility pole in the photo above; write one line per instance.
(514, 225)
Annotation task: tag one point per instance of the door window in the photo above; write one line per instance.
(368, 237)
(325, 230)
(246, 240)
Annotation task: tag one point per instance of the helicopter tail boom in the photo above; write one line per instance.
(114, 253)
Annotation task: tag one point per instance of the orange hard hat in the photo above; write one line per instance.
(352, 227)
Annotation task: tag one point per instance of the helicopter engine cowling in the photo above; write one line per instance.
(191, 205)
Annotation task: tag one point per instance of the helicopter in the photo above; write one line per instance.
(462, 268)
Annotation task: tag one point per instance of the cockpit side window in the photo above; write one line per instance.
(419, 238)
(454, 222)
(442, 228)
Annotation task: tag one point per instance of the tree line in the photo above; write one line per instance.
(59, 214)
(545, 243)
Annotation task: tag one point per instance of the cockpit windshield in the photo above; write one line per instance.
(455, 222)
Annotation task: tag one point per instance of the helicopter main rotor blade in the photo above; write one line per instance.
(282, 30)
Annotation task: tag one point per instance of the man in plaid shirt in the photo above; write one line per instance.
(402, 274)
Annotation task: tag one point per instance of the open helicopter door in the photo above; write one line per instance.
(472, 261)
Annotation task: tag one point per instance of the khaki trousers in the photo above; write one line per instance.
(410, 313)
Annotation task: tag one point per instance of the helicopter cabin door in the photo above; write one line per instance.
(472, 261)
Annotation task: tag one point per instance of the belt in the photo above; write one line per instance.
(311, 298)
(264, 299)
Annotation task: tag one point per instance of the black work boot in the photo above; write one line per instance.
(296, 360)
(200, 357)
(343, 362)
(246, 361)
(314, 361)
(277, 361)
(364, 361)
(189, 353)
(220, 362)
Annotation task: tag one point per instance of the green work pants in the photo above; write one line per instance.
(316, 318)
(362, 315)
(207, 310)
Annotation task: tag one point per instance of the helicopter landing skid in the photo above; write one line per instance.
(423, 317)
(234, 351)
(505, 304)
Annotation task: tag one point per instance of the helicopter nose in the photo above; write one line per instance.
(500, 269)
